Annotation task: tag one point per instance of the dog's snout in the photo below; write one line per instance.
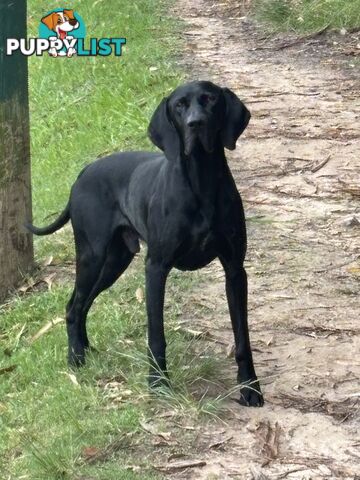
(195, 122)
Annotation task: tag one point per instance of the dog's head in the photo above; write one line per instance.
(198, 113)
(61, 22)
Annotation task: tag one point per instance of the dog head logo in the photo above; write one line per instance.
(63, 27)
(61, 22)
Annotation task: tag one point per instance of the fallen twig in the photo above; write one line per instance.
(169, 467)
(294, 470)
(301, 39)
(220, 442)
(317, 167)
(350, 413)
(46, 328)
(296, 41)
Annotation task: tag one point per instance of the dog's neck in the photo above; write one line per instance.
(203, 171)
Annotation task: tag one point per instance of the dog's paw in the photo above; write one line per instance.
(71, 52)
(76, 359)
(250, 394)
(53, 52)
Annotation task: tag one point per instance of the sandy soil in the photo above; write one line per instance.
(297, 168)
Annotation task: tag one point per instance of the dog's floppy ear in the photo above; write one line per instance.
(162, 132)
(50, 20)
(69, 13)
(237, 117)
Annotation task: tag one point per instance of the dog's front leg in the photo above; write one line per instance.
(236, 292)
(156, 275)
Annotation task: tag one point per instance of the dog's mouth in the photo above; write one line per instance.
(192, 138)
(62, 34)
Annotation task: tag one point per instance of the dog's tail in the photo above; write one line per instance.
(59, 222)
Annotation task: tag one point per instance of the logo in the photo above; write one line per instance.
(62, 34)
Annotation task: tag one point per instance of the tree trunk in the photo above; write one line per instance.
(16, 248)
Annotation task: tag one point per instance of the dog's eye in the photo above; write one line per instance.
(59, 20)
(205, 98)
(66, 19)
(181, 103)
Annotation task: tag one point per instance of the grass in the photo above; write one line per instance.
(50, 417)
(305, 16)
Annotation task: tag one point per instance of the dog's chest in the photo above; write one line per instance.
(197, 243)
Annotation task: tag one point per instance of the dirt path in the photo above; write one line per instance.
(297, 168)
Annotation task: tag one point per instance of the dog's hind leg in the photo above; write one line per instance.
(98, 267)
(118, 258)
(89, 263)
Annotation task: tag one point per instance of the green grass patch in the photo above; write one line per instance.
(304, 16)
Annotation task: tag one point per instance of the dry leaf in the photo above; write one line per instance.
(94, 454)
(133, 468)
(49, 280)
(354, 270)
(139, 295)
(48, 261)
(230, 351)
(28, 286)
(89, 453)
(72, 378)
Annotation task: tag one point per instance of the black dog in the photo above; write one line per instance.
(184, 204)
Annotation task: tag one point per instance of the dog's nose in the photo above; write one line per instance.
(195, 122)
(73, 22)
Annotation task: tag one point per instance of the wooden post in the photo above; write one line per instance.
(16, 247)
